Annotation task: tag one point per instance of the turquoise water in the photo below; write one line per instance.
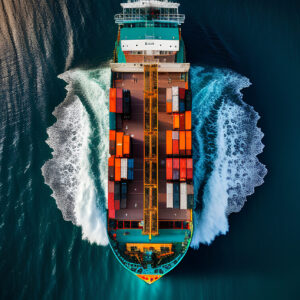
(54, 247)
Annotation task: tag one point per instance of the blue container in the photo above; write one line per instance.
(181, 105)
(112, 121)
(130, 168)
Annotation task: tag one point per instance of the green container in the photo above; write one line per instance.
(112, 121)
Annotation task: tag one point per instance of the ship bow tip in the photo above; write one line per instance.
(149, 278)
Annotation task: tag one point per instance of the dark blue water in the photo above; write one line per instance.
(251, 254)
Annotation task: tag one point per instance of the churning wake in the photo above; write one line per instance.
(77, 172)
(226, 142)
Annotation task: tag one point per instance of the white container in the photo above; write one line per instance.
(175, 135)
(174, 91)
(124, 168)
(169, 195)
(183, 195)
(175, 103)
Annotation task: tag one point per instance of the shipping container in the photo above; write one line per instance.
(111, 203)
(182, 169)
(190, 196)
(119, 122)
(117, 194)
(169, 168)
(175, 104)
(183, 195)
(117, 169)
(175, 147)
(126, 145)
(176, 195)
(175, 173)
(181, 105)
(111, 168)
(119, 108)
(175, 121)
(169, 195)
(123, 203)
(175, 135)
(188, 120)
(112, 100)
(182, 142)
(124, 168)
(188, 142)
(130, 168)
(117, 204)
(112, 214)
(169, 107)
(181, 121)
(175, 91)
(169, 100)
(111, 187)
(168, 142)
(189, 169)
(112, 121)
(182, 93)
(169, 95)
(112, 142)
(126, 104)
(188, 100)
(119, 144)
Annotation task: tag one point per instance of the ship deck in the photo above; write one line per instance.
(134, 127)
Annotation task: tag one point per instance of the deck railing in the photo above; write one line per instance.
(122, 18)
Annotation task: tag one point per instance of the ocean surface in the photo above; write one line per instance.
(54, 80)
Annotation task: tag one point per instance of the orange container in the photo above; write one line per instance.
(169, 168)
(119, 150)
(188, 142)
(182, 169)
(117, 169)
(168, 142)
(182, 142)
(126, 143)
(175, 121)
(169, 107)
(112, 99)
(188, 120)
(111, 161)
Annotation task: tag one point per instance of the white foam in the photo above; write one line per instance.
(236, 171)
(82, 123)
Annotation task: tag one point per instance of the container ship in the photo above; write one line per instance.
(150, 167)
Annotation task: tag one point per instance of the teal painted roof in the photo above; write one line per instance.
(158, 33)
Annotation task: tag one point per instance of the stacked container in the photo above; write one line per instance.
(126, 145)
(123, 195)
(169, 168)
(117, 196)
(182, 143)
(124, 168)
(176, 195)
(112, 142)
(111, 168)
(175, 173)
(189, 169)
(119, 105)
(181, 100)
(130, 168)
(175, 142)
(190, 196)
(175, 99)
(183, 169)
(176, 121)
(169, 188)
(183, 195)
(119, 146)
(169, 142)
(169, 100)
(188, 142)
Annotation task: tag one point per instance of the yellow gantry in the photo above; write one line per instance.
(150, 150)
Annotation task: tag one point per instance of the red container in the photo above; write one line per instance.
(111, 187)
(112, 100)
(119, 108)
(181, 121)
(175, 147)
(182, 169)
(169, 168)
(176, 169)
(112, 214)
(117, 204)
(189, 170)
(182, 93)
(111, 203)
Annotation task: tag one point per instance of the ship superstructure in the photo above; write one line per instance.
(150, 184)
